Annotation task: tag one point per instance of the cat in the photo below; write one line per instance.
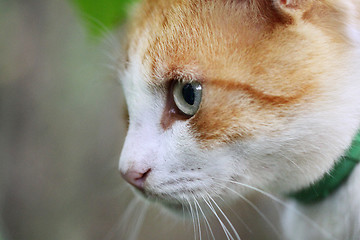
(228, 97)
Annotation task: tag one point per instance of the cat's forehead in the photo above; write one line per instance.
(215, 42)
(186, 32)
(207, 38)
(220, 39)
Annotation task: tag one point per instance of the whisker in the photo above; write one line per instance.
(267, 220)
(226, 231)
(198, 218)
(287, 205)
(207, 222)
(110, 38)
(227, 219)
(193, 218)
(234, 212)
(113, 192)
(183, 211)
(126, 218)
(139, 222)
(111, 233)
(294, 163)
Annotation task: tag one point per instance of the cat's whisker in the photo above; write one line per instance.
(186, 205)
(183, 212)
(112, 192)
(205, 218)
(128, 215)
(109, 37)
(194, 222)
(227, 219)
(139, 222)
(226, 231)
(124, 187)
(109, 66)
(113, 50)
(286, 205)
(293, 162)
(267, 220)
(192, 217)
(234, 212)
(198, 218)
(110, 234)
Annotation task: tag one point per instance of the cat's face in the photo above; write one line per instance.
(225, 94)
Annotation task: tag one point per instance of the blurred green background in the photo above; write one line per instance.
(62, 128)
(61, 125)
(107, 13)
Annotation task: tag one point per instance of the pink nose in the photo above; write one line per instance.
(135, 178)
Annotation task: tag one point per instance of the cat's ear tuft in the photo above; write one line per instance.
(294, 8)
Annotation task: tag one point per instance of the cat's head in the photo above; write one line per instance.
(227, 94)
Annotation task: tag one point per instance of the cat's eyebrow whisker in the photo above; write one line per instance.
(111, 56)
(109, 36)
(109, 66)
(205, 218)
(267, 220)
(110, 41)
(286, 205)
(227, 219)
(226, 231)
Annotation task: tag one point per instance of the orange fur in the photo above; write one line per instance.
(256, 60)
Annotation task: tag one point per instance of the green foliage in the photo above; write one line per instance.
(101, 15)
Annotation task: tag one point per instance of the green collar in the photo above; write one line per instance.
(331, 181)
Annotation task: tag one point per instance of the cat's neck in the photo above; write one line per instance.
(337, 215)
(334, 179)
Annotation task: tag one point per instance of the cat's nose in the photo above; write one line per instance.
(136, 178)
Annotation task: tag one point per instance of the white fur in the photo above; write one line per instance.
(181, 169)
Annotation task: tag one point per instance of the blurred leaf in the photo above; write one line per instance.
(102, 15)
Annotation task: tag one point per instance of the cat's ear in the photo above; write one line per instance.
(294, 8)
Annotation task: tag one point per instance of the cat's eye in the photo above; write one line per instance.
(187, 96)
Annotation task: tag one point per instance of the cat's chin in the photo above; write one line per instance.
(177, 209)
(172, 205)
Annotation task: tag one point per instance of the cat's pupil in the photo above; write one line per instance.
(188, 94)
